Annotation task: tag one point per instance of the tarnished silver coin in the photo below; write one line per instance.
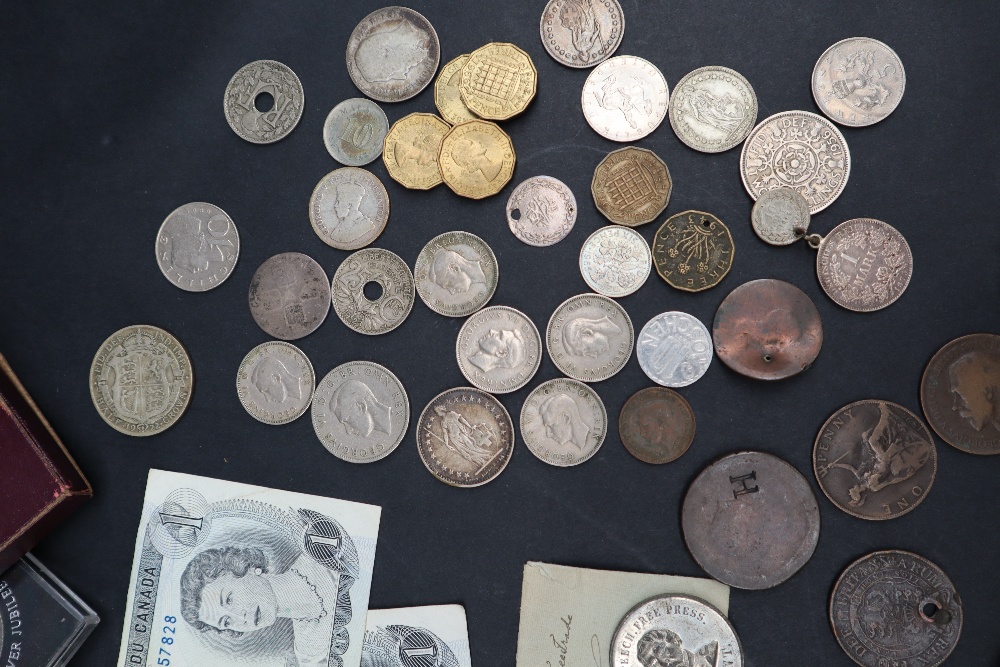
(499, 349)
(197, 247)
(275, 382)
(781, 216)
(349, 208)
(615, 261)
(360, 412)
(590, 337)
(858, 81)
(674, 349)
(354, 131)
(289, 296)
(393, 54)
(563, 422)
(713, 109)
(582, 33)
(456, 274)
(391, 297)
(541, 211)
(264, 101)
(864, 264)
(625, 98)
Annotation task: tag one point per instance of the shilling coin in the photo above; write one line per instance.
(960, 393)
(264, 101)
(631, 186)
(275, 382)
(465, 437)
(197, 247)
(448, 92)
(541, 211)
(590, 337)
(858, 81)
(767, 330)
(713, 109)
(354, 131)
(498, 81)
(392, 54)
(864, 264)
(800, 150)
(582, 33)
(498, 349)
(693, 251)
(563, 422)
(385, 311)
(141, 380)
(615, 261)
(780, 216)
(411, 150)
(875, 459)
(289, 296)
(477, 159)
(360, 412)
(895, 608)
(674, 349)
(349, 208)
(456, 274)
(656, 425)
(750, 520)
(625, 98)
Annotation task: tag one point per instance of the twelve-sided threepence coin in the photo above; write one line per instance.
(354, 131)
(349, 208)
(563, 422)
(498, 81)
(411, 150)
(631, 186)
(289, 296)
(625, 98)
(448, 92)
(275, 382)
(615, 261)
(499, 349)
(713, 109)
(590, 337)
(541, 211)
(360, 412)
(864, 264)
(393, 54)
(245, 101)
(197, 247)
(388, 271)
(674, 349)
(781, 216)
(456, 274)
(858, 81)
(476, 159)
(582, 33)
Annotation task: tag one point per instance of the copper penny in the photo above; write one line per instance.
(895, 608)
(656, 425)
(750, 520)
(960, 393)
(767, 330)
(875, 459)
(693, 251)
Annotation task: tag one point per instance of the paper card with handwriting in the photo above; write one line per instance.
(417, 637)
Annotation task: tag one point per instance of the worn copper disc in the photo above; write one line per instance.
(767, 330)
(750, 520)
(656, 425)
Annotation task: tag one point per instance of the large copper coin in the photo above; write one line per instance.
(767, 330)
(693, 251)
(656, 425)
(750, 520)
(895, 608)
(875, 459)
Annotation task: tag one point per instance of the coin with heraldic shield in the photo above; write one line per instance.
(656, 425)
(713, 109)
(385, 310)
(289, 296)
(863, 264)
(780, 216)
(141, 380)
(590, 337)
(674, 349)
(354, 131)
(349, 208)
(498, 349)
(615, 261)
(498, 81)
(476, 159)
(582, 33)
(393, 54)
(541, 211)
(563, 422)
(411, 150)
(750, 520)
(465, 437)
(197, 247)
(275, 382)
(264, 101)
(693, 251)
(894, 607)
(631, 186)
(858, 81)
(448, 92)
(625, 98)
(456, 274)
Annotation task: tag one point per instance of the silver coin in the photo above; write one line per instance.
(499, 349)
(713, 109)
(615, 261)
(625, 98)
(582, 33)
(349, 208)
(264, 101)
(780, 216)
(864, 264)
(395, 282)
(275, 382)
(354, 131)
(674, 349)
(541, 211)
(197, 247)
(858, 81)
(393, 54)
(360, 412)
(799, 150)
(563, 422)
(590, 337)
(456, 274)
(289, 296)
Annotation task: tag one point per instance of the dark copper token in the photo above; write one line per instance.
(656, 425)
(875, 459)
(960, 393)
(767, 330)
(750, 520)
(895, 608)
(693, 251)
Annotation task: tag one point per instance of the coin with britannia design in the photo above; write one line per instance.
(631, 186)
(264, 101)
(693, 251)
(411, 150)
(656, 425)
(625, 98)
(713, 109)
(448, 92)
(392, 54)
(289, 296)
(197, 247)
(674, 349)
(858, 81)
(275, 382)
(541, 211)
(780, 216)
(354, 131)
(615, 261)
(476, 159)
(864, 264)
(349, 208)
(582, 33)
(590, 337)
(373, 291)
(456, 274)
(498, 349)
(563, 422)
(498, 81)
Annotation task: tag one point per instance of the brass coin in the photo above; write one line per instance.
(631, 186)
(411, 150)
(477, 159)
(499, 81)
(448, 92)
(656, 425)
(693, 251)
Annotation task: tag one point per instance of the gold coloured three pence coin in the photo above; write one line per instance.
(411, 150)
(631, 186)
(693, 251)
(448, 92)
(477, 159)
(499, 81)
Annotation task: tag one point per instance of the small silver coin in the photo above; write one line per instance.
(275, 382)
(197, 247)
(456, 274)
(615, 261)
(625, 98)
(590, 337)
(289, 296)
(264, 101)
(499, 349)
(780, 216)
(393, 54)
(349, 208)
(563, 422)
(858, 81)
(541, 211)
(354, 131)
(582, 33)
(395, 282)
(864, 264)
(674, 349)
(360, 412)
(713, 109)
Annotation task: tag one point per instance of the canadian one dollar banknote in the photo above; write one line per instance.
(434, 636)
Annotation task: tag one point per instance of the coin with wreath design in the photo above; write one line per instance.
(864, 264)
(615, 261)
(373, 315)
